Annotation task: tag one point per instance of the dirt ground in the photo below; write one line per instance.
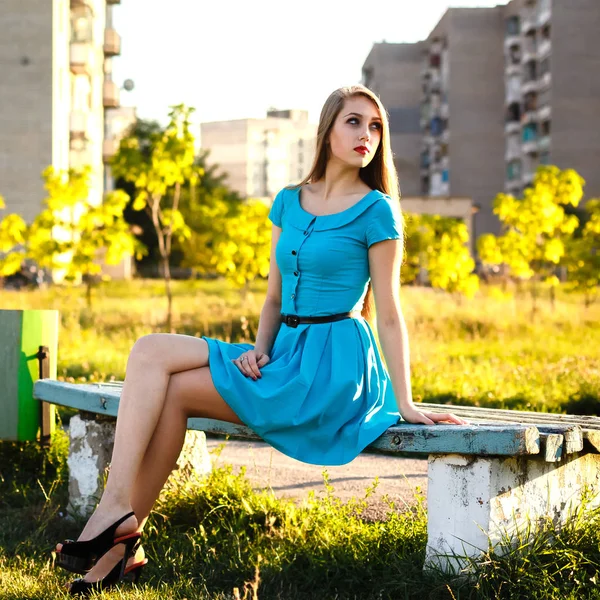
(269, 468)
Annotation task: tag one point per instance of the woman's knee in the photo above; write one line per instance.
(146, 349)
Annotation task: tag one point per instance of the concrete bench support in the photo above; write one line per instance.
(472, 501)
(90, 449)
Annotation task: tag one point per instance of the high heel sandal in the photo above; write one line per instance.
(120, 572)
(80, 557)
(133, 572)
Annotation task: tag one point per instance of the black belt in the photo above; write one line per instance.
(295, 320)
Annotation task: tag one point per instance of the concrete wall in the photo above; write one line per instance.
(476, 108)
(393, 72)
(26, 100)
(575, 68)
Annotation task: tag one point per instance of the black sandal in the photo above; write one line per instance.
(80, 557)
(81, 587)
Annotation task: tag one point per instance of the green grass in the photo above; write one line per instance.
(488, 351)
(210, 536)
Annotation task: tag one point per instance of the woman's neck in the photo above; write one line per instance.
(339, 181)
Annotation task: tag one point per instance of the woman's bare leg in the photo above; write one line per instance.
(153, 361)
(189, 394)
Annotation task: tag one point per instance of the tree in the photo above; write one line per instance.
(158, 172)
(582, 257)
(449, 262)
(232, 240)
(437, 245)
(535, 227)
(13, 234)
(71, 236)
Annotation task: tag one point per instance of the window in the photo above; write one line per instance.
(513, 26)
(514, 54)
(82, 30)
(530, 132)
(545, 157)
(530, 71)
(530, 101)
(513, 170)
(513, 112)
(545, 66)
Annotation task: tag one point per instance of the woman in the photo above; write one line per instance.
(313, 385)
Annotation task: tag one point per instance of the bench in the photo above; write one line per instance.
(485, 479)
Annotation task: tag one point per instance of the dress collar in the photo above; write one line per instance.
(301, 219)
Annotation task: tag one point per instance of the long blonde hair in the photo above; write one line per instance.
(380, 174)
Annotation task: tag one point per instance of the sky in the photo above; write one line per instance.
(236, 59)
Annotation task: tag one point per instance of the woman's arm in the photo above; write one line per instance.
(385, 259)
(270, 315)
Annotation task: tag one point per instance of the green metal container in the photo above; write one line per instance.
(22, 334)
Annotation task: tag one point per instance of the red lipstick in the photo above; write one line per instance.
(362, 150)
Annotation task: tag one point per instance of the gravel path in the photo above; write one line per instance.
(269, 468)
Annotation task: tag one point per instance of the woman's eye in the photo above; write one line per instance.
(352, 120)
(377, 126)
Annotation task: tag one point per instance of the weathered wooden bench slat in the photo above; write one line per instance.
(551, 446)
(520, 416)
(485, 440)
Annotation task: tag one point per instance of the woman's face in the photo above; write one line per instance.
(356, 132)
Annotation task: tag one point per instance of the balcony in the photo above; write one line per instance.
(511, 39)
(528, 21)
(78, 124)
(528, 176)
(544, 113)
(81, 58)
(109, 149)
(112, 43)
(530, 52)
(513, 187)
(529, 146)
(544, 143)
(513, 149)
(78, 159)
(544, 48)
(512, 127)
(544, 14)
(529, 86)
(110, 95)
(545, 81)
(513, 69)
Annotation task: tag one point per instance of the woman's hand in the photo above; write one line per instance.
(250, 362)
(413, 415)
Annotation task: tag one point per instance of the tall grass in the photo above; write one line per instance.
(485, 352)
(209, 537)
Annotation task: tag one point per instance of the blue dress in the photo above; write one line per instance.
(325, 394)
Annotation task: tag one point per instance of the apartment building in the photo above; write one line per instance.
(55, 89)
(503, 90)
(391, 71)
(261, 156)
(552, 94)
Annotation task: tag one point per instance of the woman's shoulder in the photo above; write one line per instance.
(383, 204)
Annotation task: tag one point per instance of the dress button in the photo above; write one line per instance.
(294, 252)
(293, 296)
(306, 233)
(296, 273)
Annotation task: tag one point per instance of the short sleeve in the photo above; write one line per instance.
(276, 212)
(385, 222)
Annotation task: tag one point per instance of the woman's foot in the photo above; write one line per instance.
(104, 518)
(122, 563)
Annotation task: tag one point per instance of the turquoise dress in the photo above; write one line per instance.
(325, 394)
